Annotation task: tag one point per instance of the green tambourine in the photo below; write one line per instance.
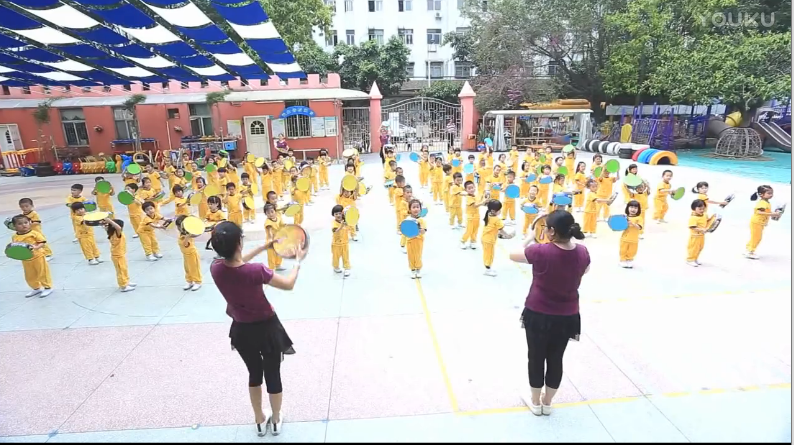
(103, 187)
(19, 251)
(188, 176)
(597, 172)
(126, 198)
(210, 168)
(678, 193)
(563, 170)
(134, 169)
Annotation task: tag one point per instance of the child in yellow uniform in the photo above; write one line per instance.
(570, 159)
(605, 183)
(597, 160)
(36, 269)
(629, 240)
(347, 199)
(509, 205)
(543, 189)
(514, 156)
(314, 176)
(246, 191)
(702, 191)
(278, 176)
(26, 205)
(155, 177)
(190, 257)
(632, 170)
(322, 163)
(522, 177)
(473, 204)
(761, 214)
(473, 169)
(446, 185)
(272, 225)
(75, 195)
(223, 179)
(456, 193)
(557, 187)
(491, 229)
(233, 206)
(698, 224)
(250, 170)
(214, 216)
(414, 246)
(103, 200)
(403, 207)
(399, 185)
(298, 196)
(266, 181)
(640, 195)
(529, 218)
(339, 241)
(203, 208)
(424, 168)
(663, 190)
(590, 218)
(580, 183)
(179, 179)
(135, 211)
(232, 174)
(482, 173)
(306, 172)
(118, 253)
(129, 178)
(85, 234)
(456, 156)
(170, 172)
(181, 205)
(437, 181)
(146, 192)
(151, 220)
(389, 174)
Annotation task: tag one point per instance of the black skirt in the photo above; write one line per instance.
(265, 336)
(569, 326)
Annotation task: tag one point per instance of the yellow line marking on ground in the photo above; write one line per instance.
(437, 349)
(516, 409)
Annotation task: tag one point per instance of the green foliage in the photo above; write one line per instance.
(215, 97)
(132, 101)
(42, 112)
(446, 90)
(314, 60)
(462, 44)
(369, 62)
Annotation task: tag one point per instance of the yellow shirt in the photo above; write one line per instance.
(762, 206)
(345, 202)
(642, 198)
(80, 229)
(402, 209)
(146, 223)
(35, 220)
(700, 222)
(273, 225)
(491, 230)
(232, 176)
(182, 206)
(632, 234)
(118, 245)
(569, 164)
(705, 199)
(156, 184)
(146, 195)
(130, 180)
(341, 236)
(421, 236)
(662, 197)
(32, 237)
(299, 196)
(438, 175)
(454, 196)
(580, 180)
(135, 209)
(398, 194)
(472, 209)
(215, 216)
(590, 202)
(233, 204)
(593, 167)
(187, 246)
(171, 172)
(506, 199)
(71, 199)
(389, 175)
(605, 186)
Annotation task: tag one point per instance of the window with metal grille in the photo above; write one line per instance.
(434, 37)
(146, 86)
(26, 90)
(331, 3)
(404, 5)
(126, 87)
(552, 68)
(409, 69)
(257, 127)
(436, 70)
(376, 35)
(183, 85)
(47, 89)
(125, 126)
(200, 120)
(350, 36)
(348, 5)
(106, 88)
(297, 126)
(331, 38)
(434, 5)
(73, 122)
(462, 70)
(375, 5)
(406, 35)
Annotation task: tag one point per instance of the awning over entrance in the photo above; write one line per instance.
(115, 42)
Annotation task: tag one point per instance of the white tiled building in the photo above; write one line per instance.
(420, 23)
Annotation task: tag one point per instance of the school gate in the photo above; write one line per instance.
(355, 128)
(422, 120)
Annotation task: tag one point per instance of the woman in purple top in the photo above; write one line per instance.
(385, 138)
(281, 144)
(551, 311)
(256, 332)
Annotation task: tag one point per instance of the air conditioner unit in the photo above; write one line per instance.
(432, 48)
(438, 15)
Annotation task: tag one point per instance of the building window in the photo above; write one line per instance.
(552, 68)
(409, 70)
(462, 30)
(434, 5)
(436, 70)
(205, 83)
(463, 70)
(183, 85)
(331, 3)
(376, 35)
(262, 82)
(404, 5)
(126, 87)
(67, 88)
(331, 39)
(73, 121)
(375, 5)
(406, 35)
(26, 90)
(105, 88)
(173, 113)
(348, 5)
(297, 126)
(145, 86)
(434, 37)
(164, 85)
(225, 83)
(125, 126)
(46, 89)
(350, 36)
(200, 120)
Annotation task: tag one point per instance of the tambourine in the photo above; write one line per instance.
(290, 238)
(531, 178)
(250, 157)
(248, 203)
(423, 212)
(539, 229)
(103, 187)
(546, 180)
(158, 196)
(512, 191)
(292, 209)
(618, 223)
(94, 219)
(728, 200)
(349, 183)
(188, 178)
(612, 199)
(209, 226)
(468, 169)
(303, 184)
(713, 223)
(134, 169)
(414, 157)
(259, 162)
(410, 228)
(781, 210)
(363, 189)
(349, 153)
(195, 198)
(126, 198)
(530, 209)
(455, 163)
(561, 199)
(612, 166)
(193, 226)
(678, 193)
(386, 184)
(507, 233)
(90, 206)
(9, 223)
(19, 251)
(351, 216)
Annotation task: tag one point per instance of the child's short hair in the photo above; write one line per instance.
(75, 206)
(470, 157)
(337, 209)
(666, 172)
(408, 187)
(634, 203)
(145, 179)
(446, 168)
(510, 173)
(99, 178)
(25, 201)
(146, 205)
(269, 206)
(414, 201)
(245, 176)
(457, 175)
(466, 184)
(177, 188)
(178, 221)
(222, 170)
(77, 187)
(271, 193)
(18, 218)
(399, 179)
(545, 167)
(590, 182)
(558, 177)
(133, 186)
(394, 163)
(698, 203)
(700, 184)
(230, 185)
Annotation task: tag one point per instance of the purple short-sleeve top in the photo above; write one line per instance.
(243, 289)
(556, 275)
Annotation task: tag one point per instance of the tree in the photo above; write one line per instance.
(314, 60)
(369, 62)
(42, 117)
(213, 100)
(130, 106)
(462, 45)
(446, 90)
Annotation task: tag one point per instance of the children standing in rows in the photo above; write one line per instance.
(340, 241)
(26, 206)
(118, 253)
(36, 269)
(629, 240)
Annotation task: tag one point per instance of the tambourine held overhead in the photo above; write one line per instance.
(95, 218)
(350, 183)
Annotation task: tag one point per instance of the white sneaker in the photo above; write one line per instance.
(195, 287)
(692, 263)
(158, 255)
(663, 221)
(45, 293)
(128, 288)
(545, 409)
(187, 286)
(413, 274)
(355, 238)
(337, 270)
(698, 263)
(623, 264)
(464, 246)
(534, 409)
(490, 272)
(135, 236)
(93, 262)
(74, 240)
(151, 258)
(276, 427)
(33, 293)
(132, 284)
(630, 264)
(347, 273)
(48, 259)
(404, 249)
(751, 255)
(418, 273)
(98, 260)
(472, 246)
(593, 235)
(642, 236)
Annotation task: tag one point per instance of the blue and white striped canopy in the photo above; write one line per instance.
(113, 42)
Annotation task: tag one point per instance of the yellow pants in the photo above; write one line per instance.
(249, 214)
(455, 212)
(340, 252)
(403, 240)
(278, 187)
(122, 276)
(414, 247)
(273, 260)
(509, 209)
(590, 222)
(643, 215)
(298, 218)
(324, 178)
(315, 184)
(603, 208)
(488, 250)
(423, 174)
(149, 242)
(659, 209)
(694, 247)
(578, 200)
(192, 262)
(529, 218)
(472, 227)
(37, 273)
(236, 217)
(436, 189)
(135, 220)
(89, 247)
(628, 251)
(445, 198)
(399, 220)
(756, 233)
(46, 249)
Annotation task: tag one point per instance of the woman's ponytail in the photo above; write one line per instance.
(576, 231)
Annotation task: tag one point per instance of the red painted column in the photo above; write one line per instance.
(374, 117)
(468, 118)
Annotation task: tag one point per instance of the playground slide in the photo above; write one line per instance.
(715, 127)
(775, 135)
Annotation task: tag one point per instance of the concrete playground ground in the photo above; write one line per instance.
(668, 353)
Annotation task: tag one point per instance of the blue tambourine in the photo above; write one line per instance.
(468, 169)
(512, 191)
(397, 157)
(618, 223)
(456, 162)
(488, 142)
(546, 180)
(531, 178)
(496, 187)
(409, 228)
(561, 199)
(414, 156)
(423, 212)
(531, 209)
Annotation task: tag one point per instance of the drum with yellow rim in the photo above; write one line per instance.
(349, 153)
(351, 216)
(292, 209)
(250, 157)
(193, 226)
(248, 203)
(95, 218)
(539, 229)
(289, 239)
(212, 190)
(303, 184)
(195, 198)
(349, 183)
(259, 162)
(362, 189)
(288, 165)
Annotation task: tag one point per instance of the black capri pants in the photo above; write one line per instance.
(267, 365)
(262, 346)
(547, 337)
